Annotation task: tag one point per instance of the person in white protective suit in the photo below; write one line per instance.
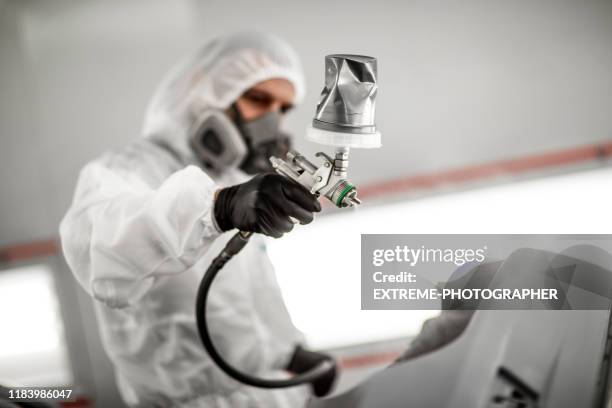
(148, 218)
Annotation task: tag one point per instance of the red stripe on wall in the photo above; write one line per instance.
(30, 250)
(510, 167)
(386, 357)
(80, 402)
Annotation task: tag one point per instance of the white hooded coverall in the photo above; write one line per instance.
(139, 236)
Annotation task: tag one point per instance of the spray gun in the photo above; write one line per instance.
(344, 119)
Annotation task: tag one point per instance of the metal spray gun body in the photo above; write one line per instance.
(344, 118)
(328, 180)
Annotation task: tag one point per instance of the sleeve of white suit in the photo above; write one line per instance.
(120, 235)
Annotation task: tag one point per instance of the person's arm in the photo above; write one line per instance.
(120, 235)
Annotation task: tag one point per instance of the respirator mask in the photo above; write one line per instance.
(222, 143)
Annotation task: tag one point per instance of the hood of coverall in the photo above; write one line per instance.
(215, 77)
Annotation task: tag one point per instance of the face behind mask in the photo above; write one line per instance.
(221, 143)
(264, 138)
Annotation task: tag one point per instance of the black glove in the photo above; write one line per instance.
(264, 204)
(303, 360)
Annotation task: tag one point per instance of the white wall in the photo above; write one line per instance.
(460, 81)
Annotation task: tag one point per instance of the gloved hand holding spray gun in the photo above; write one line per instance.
(344, 119)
